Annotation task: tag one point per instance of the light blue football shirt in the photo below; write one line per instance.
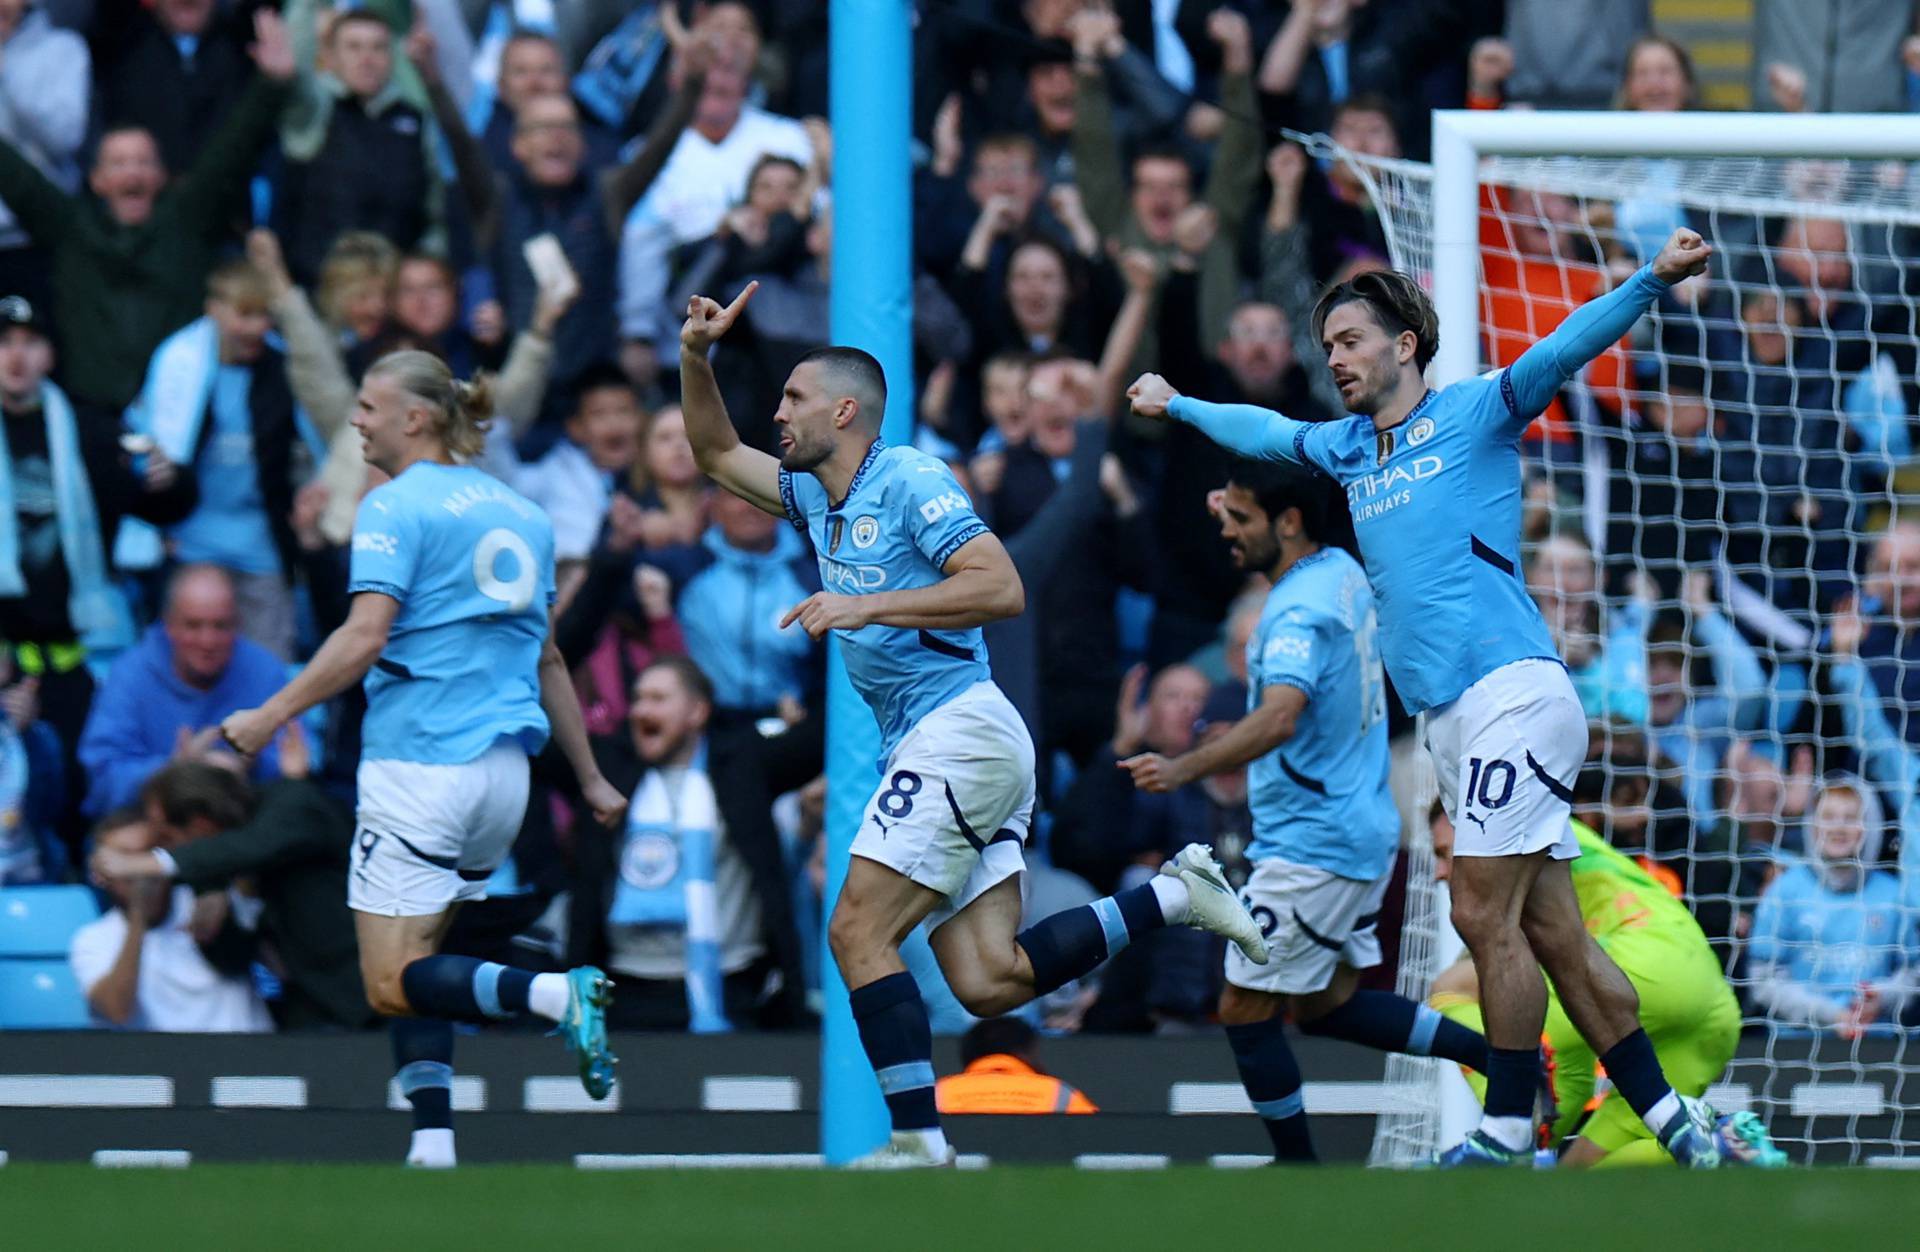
(471, 563)
(903, 519)
(1436, 500)
(1321, 798)
(229, 526)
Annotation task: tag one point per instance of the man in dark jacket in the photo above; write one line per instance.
(1255, 364)
(552, 188)
(174, 67)
(621, 875)
(1079, 639)
(357, 154)
(282, 852)
(128, 269)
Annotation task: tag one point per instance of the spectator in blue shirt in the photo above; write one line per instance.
(165, 697)
(1831, 947)
(735, 586)
(217, 397)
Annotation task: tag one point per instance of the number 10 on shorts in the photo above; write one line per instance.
(1489, 783)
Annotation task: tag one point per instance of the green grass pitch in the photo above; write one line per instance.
(553, 1209)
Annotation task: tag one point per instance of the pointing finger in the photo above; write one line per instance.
(740, 301)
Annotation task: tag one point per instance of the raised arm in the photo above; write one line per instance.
(315, 369)
(471, 166)
(1280, 67)
(1597, 325)
(1737, 672)
(1096, 147)
(1885, 758)
(622, 188)
(747, 472)
(1142, 273)
(1243, 428)
(229, 157)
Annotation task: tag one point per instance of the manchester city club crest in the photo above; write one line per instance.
(1419, 432)
(651, 860)
(866, 532)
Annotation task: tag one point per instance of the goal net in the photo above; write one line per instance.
(1723, 531)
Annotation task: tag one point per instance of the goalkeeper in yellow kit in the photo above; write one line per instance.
(1686, 1006)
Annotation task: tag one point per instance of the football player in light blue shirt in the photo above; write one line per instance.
(909, 575)
(1433, 483)
(1325, 828)
(450, 627)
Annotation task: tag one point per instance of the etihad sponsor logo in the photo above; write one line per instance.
(852, 578)
(1395, 477)
(1371, 495)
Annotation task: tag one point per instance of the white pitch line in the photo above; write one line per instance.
(142, 1158)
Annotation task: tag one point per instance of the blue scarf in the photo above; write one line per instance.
(171, 407)
(98, 613)
(665, 878)
(503, 18)
(617, 70)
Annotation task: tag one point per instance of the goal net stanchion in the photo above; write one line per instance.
(1699, 502)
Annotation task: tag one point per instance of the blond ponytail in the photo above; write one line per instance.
(462, 409)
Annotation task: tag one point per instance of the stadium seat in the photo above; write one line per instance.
(41, 995)
(40, 921)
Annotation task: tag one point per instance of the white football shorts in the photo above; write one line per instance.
(429, 836)
(1506, 754)
(1314, 920)
(955, 801)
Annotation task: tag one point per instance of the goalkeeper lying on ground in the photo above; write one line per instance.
(1686, 1006)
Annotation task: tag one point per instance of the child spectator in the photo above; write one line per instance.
(218, 398)
(1831, 947)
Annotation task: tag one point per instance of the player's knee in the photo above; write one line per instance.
(1241, 1007)
(857, 943)
(843, 939)
(387, 997)
(1477, 921)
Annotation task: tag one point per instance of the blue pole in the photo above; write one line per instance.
(870, 96)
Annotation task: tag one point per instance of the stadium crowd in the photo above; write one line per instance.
(218, 213)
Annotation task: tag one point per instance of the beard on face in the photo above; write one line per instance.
(1257, 553)
(805, 455)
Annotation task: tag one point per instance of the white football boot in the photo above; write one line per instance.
(1215, 908)
(905, 1150)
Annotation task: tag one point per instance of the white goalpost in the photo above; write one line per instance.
(1707, 500)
